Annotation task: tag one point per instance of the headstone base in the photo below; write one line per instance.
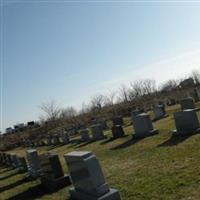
(99, 138)
(147, 134)
(55, 184)
(185, 133)
(78, 195)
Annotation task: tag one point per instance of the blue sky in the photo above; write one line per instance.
(68, 52)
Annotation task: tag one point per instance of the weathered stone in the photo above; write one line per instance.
(52, 176)
(136, 112)
(34, 168)
(159, 112)
(87, 178)
(85, 137)
(56, 140)
(15, 162)
(143, 126)
(187, 103)
(118, 120)
(65, 138)
(117, 131)
(97, 132)
(8, 160)
(22, 164)
(186, 122)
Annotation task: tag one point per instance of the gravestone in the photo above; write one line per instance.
(65, 138)
(56, 140)
(171, 102)
(52, 176)
(159, 112)
(143, 126)
(87, 178)
(187, 103)
(49, 141)
(103, 124)
(1, 157)
(117, 131)
(34, 167)
(85, 137)
(4, 158)
(186, 122)
(97, 132)
(136, 112)
(118, 120)
(8, 160)
(22, 164)
(15, 162)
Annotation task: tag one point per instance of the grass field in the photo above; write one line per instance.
(158, 167)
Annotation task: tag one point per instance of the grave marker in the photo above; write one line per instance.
(87, 178)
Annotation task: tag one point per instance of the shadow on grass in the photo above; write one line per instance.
(85, 144)
(31, 193)
(10, 175)
(7, 169)
(75, 142)
(112, 139)
(127, 144)
(174, 140)
(55, 146)
(12, 185)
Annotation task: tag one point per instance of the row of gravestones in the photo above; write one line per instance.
(56, 139)
(186, 121)
(85, 173)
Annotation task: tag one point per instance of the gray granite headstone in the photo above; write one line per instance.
(117, 131)
(159, 112)
(136, 112)
(187, 103)
(15, 162)
(4, 158)
(186, 122)
(52, 176)
(1, 158)
(34, 167)
(97, 132)
(8, 159)
(56, 140)
(85, 137)
(118, 120)
(87, 178)
(49, 141)
(143, 126)
(65, 138)
(22, 164)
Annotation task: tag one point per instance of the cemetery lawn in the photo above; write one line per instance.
(153, 168)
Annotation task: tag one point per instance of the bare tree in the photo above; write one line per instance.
(149, 86)
(109, 99)
(97, 101)
(169, 86)
(124, 93)
(68, 112)
(196, 77)
(51, 110)
(136, 90)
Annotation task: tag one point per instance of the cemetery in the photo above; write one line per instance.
(98, 168)
(100, 100)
